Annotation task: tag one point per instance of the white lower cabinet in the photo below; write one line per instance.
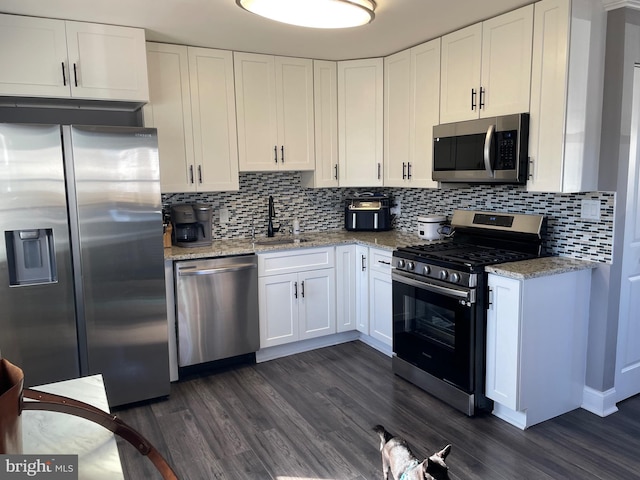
(536, 345)
(346, 288)
(297, 295)
(362, 289)
(380, 298)
(365, 293)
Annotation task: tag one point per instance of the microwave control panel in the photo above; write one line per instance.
(507, 150)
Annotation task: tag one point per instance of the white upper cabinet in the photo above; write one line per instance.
(486, 68)
(192, 106)
(169, 111)
(360, 122)
(64, 59)
(566, 96)
(274, 104)
(325, 106)
(412, 103)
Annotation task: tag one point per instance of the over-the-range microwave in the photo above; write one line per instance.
(487, 150)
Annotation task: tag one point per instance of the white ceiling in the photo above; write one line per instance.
(222, 24)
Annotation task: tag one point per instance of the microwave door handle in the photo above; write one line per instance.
(488, 139)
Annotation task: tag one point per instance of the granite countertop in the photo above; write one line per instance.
(51, 433)
(539, 267)
(522, 270)
(386, 240)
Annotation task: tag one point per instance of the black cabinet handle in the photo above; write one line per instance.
(75, 74)
(302, 285)
(200, 174)
(473, 99)
(404, 168)
(378, 170)
(409, 170)
(64, 77)
(336, 169)
(282, 154)
(275, 153)
(295, 289)
(191, 173)
(482, 95)
(364, 262)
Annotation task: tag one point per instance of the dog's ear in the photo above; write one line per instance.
(444, 452)
(436, 463)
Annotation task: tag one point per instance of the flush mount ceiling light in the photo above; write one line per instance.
(314, 13)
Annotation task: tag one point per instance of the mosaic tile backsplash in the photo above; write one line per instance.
(323, 209)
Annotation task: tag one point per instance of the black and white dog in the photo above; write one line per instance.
(405, 465)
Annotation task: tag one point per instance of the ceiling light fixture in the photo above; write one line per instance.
(314, 13)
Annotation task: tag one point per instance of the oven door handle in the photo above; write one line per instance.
(466, 295)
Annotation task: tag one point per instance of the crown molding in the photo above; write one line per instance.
(614, 4)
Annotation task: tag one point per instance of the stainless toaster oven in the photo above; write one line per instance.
(371, 213)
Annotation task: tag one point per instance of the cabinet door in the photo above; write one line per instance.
(346, 287)
(460, 74)
(294, 111)
(424, 112)
(506, 63)
(33, 57)
(317, 303)
(380, 297)
(278, 309)
(360, 122)
(325, 106)
(214, 119)
(503, 341)
(107, 62)
(550, 70)
(397, 127)
(362, 289)
(256, 112)
(169, 110)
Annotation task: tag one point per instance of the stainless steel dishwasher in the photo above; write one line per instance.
(217, 306)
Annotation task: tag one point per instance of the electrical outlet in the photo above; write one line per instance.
(590, 210)
(224, 216)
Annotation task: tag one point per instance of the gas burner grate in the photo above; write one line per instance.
(463, 254)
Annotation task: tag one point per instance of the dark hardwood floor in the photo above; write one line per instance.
(310, 416)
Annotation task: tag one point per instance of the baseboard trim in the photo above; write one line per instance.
(599, 403)
(271, 353)
(377, 344)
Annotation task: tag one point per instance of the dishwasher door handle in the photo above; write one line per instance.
(213, 271)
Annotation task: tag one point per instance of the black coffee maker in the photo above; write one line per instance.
(191, 225)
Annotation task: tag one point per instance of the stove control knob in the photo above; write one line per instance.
(410, 265)
(400, 263)
(443, 274)
(426, 269)
(455, 277)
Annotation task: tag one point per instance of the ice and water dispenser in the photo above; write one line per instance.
(30, 256)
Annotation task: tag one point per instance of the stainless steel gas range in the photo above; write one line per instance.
(440, 300)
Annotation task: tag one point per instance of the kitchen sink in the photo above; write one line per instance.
(280, 241)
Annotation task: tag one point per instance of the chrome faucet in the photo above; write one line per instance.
(271, 230)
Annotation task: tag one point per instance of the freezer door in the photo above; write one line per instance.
(37, 319)
(120, 254)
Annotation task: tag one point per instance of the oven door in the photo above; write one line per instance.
(434, 328)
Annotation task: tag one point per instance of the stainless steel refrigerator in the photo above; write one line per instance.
(81, 257)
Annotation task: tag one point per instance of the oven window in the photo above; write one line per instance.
(433, 322)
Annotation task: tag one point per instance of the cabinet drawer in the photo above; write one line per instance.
(287, 261)
(380, 260)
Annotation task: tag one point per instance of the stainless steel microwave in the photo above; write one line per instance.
(487, 150)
